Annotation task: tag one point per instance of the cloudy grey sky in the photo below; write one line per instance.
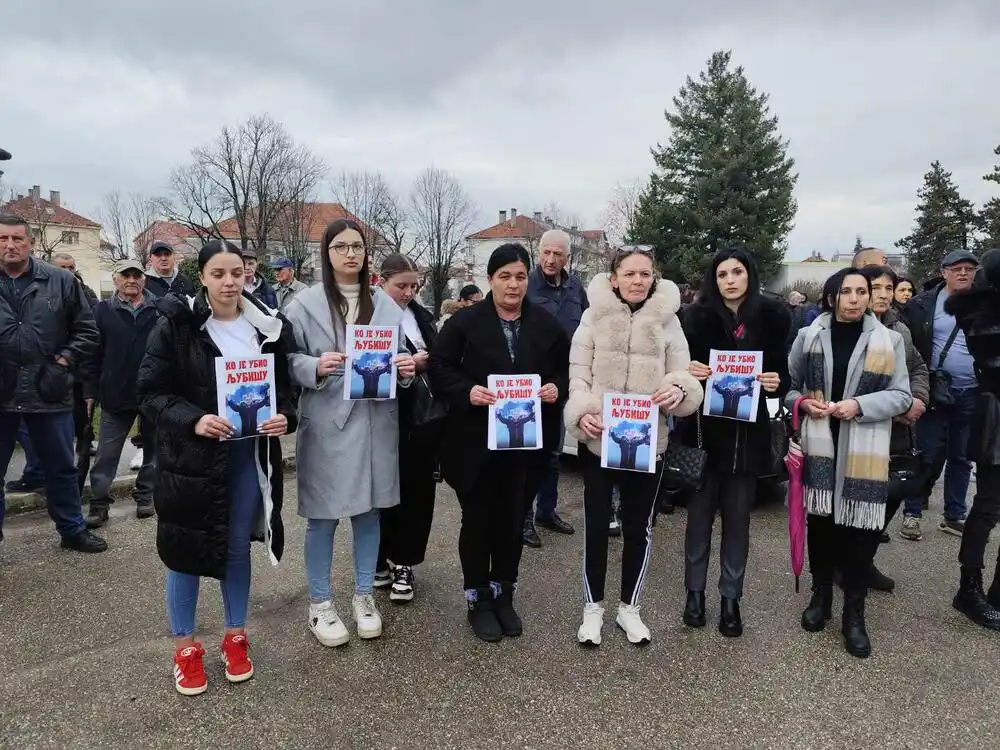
(526, 101)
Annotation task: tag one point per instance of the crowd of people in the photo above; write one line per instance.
(894, 388)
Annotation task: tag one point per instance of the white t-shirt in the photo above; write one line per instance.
(412, 330)
(235, 338)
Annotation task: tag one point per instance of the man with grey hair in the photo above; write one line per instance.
(562, 295)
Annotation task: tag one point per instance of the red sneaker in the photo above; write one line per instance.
(189, 671)
(235, 647)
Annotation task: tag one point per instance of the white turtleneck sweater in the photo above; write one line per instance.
(351, 293)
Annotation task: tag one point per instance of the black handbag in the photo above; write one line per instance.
(684, 466)
(780, 430)
(426, 408)
(906, 472)
(940, 381)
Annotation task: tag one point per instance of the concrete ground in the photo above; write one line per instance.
(85, 657)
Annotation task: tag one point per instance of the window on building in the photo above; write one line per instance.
(71, 238)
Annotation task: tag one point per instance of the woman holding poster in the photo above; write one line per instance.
(733, 320)
(504, 335)
(630, 352)
(346, 452)
(214, 494)
(407, 526)
(848, 380)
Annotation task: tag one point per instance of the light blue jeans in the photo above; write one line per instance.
(319, 554)
(244, 504)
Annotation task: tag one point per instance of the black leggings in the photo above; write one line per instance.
(985, 515)
(844, 548)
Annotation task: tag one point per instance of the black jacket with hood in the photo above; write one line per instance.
(176, 388)
(159, 286)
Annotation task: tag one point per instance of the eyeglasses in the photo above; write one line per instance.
(341, 248)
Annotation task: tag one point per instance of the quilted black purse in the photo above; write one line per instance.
(684, 466)
(906, 472)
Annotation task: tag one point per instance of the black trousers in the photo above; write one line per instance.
(844, 548)
(489, 543)
(733, 495)
(407, 527)
(637, 507)
(985, 514)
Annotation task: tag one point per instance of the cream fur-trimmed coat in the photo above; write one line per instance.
(617, 351)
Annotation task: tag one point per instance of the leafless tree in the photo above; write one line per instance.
(619, 214)
(295, 229)
(249, 174)
(442, 214)
(129, 226)
(48, 234)
(368, 197)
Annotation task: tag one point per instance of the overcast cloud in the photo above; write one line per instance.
(526, 102)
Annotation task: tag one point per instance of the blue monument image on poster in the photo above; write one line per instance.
(247, 406)
(732, 397)
(371, 375)
(629, 443)
(516, 424)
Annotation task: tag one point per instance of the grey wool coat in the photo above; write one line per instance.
(346, 452)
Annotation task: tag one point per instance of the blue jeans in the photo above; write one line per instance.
(319, 553)
(548, 490)
(52, 434)
(32, 473)
(942, 437)
(244, 505)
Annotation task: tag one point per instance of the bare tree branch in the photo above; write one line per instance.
(442, 215)
(368, 197)
(619, 215)
(129, 225)
(249, 174)
(295, 229)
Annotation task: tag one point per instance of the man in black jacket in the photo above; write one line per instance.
(943, 432)
(164, 277)
(256, 285)
(124, 323)
(47, 333)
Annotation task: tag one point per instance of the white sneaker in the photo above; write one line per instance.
(628, 620)
(589, 633)
(136, 463)
(367, 617)
(326, 625)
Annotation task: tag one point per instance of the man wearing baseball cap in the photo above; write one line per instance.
(163, 276)
(942, 433)
(124, 323)
(288, 285)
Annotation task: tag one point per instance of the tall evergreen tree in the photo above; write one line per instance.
(723, 178)
(858, 245)
(988, 220)
(944, 223)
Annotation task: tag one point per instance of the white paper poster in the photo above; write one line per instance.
(733, 391)
(369, 373)
(246, 393)
(515, 420)
(631, 425)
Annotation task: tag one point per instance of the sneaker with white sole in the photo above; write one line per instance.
(589, 633)
(628, 620)
(367, 617)
(136, 463)
(326, 625)
(402, 584)
(189, 670)
(383, 578)
(911, 529)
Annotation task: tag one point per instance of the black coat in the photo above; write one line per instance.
(918, 315)
(470, 348)
(158, 286)
(51, 319)
(736, 447)
(176, 388)
(122, 346)
(407, 396)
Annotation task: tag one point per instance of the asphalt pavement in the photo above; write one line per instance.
(85, 657)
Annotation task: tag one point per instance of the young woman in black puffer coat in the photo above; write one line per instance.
(730, 314)
(213, 495)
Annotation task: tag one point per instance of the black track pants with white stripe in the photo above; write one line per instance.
(638, 504)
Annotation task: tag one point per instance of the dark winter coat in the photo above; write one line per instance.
(160, 287)
(51, 319)
(177, 388)
(566, 302)
(918, 315)
(736, 447)
(470, 347)
(265, 293)
(122, 346)
(408, 396)
(902, 435)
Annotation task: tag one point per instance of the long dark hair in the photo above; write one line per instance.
(833, 285)
(338, 303)
(712, 297)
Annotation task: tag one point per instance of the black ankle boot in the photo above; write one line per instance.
(994, 596)
(482, 616)
(730, 620)
(856, 639)
(879, 581)
(97, 516)
(973, 603)
(820, 607)
(503, 606)
(694, 609)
